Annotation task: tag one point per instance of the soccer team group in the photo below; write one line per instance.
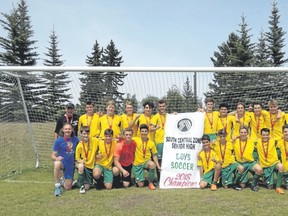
(237, 147)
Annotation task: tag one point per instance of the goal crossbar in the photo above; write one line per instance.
(144, 69)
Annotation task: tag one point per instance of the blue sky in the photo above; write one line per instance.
(148, 32)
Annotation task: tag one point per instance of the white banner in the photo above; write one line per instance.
(182, 143)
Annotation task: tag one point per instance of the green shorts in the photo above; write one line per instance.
(255, 155)
(248, 167)
(227, 174)
(87, 177)
(208, 177)
(138, 172)
(269, 174)
(159, 150)
(107, 173)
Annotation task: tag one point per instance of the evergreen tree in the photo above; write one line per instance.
(275, 38)
(19, 49)
(174, 100)
(56, 82)
(275, 41)
(92, 88)
(238, 51)
(189, 97)
(112, 80)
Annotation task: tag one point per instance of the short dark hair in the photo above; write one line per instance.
(265, 130)
(108, 131)
(205, 137)
(222, 132)
(89, 103)
(243, 127)
(144, 126)
(149, 103)
(223, 105)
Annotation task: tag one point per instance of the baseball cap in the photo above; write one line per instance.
(70, 105)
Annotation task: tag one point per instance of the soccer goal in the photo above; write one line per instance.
(28, 116)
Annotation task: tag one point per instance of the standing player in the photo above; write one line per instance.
(224, 119)
(124, 156)
(63, 156)
(277, 120)
(69, 117)
(109, 121)
(128, 120)
(268, 159)
(89, 119)
(158, 123)
(104, 159)
(142, 160)
(209, 164)
(85, 159)
(243, 148)
(240, 119)
(145, 118)
(212, 122)
(224, 150)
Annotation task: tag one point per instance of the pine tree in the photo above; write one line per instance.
(112, 80)
(174, 100)
(238, 51)
(92, 88)
(19, 50)
(189, 104)
(56, 82)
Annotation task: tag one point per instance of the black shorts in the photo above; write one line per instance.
(128, 169)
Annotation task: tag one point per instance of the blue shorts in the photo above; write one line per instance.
(68, 170)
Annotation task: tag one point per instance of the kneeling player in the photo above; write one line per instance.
(209, 164)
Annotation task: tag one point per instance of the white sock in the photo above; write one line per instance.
(57, 185)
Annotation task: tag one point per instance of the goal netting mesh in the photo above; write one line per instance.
(28, 118)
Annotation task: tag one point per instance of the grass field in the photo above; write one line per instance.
(32, 193)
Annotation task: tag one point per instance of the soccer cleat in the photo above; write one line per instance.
(236, 187)
(213, 187)
(57, 192)
(279, 190)
(62, 181)
(254, 188)
(151, 186)
(82, 190)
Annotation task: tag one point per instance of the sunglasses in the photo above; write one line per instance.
(87, 131)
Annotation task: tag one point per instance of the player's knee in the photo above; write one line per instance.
(151, 165)
(203, 184)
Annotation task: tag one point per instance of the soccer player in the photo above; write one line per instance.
(128, 119)
(283, 146)
(85, 159)
(224, 119)
(158, 123)
(243, 148)
(104, 159)
(142, 160)
(224, 150)
(145, 118)
(69, 117)
(240, 119)
(269, 161)
(259, 119)
(89, 119)
(277, 120)
(109, 121)
(209, 164)
(63, 156)
(124, 155)
(212, 122)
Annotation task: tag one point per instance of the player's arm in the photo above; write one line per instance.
(55, 157)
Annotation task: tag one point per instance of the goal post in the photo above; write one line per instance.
(27, 144)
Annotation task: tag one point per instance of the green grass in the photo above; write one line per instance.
(31, 193)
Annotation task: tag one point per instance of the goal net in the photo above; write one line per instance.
(28, 116)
